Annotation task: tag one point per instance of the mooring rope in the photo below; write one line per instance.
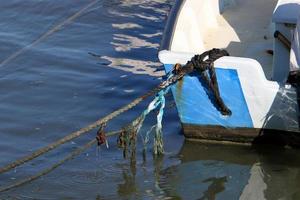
(158, 101)
(158, 145)
(54, 166)
(88, 128)
(127, 136)
(48, 33)
(204, 64)
(78, 133)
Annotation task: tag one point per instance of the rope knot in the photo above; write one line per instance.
(101, 137)
(204, 63)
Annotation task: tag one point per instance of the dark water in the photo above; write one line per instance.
(66, 64)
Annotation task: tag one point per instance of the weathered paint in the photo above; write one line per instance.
(196, 106)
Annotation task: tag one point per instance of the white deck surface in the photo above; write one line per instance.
(245, 30)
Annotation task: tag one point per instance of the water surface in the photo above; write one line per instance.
(66, 64)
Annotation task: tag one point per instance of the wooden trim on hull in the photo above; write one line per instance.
(241, 135)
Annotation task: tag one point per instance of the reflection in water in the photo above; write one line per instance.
(131, 187)
(128, 187)
(56, 87)
(135, 66)
(152, 35)
(158, 10)
(141, 2)
(210, 171)
(158, 166)
(256, 186)
(216, 186)
(126, 26)
(61, 88)
(130, 15)
(205, 179)
(127, 43)
(136, 39)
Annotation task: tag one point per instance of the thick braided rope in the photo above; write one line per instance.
(54, 166)
(196, 62)
(77, 133)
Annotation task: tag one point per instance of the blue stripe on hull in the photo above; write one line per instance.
(195, 107)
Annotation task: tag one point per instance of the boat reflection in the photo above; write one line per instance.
(214, 171)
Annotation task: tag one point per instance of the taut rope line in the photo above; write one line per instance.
(78, 133)
(48, 170)
(127, 138)
(198, 62)
(48, 33)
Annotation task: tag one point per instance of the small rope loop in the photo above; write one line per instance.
(101, 137)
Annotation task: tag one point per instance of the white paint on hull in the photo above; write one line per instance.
(259, 92)
(243, 28)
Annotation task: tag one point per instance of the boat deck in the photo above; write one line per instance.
(245, 30)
